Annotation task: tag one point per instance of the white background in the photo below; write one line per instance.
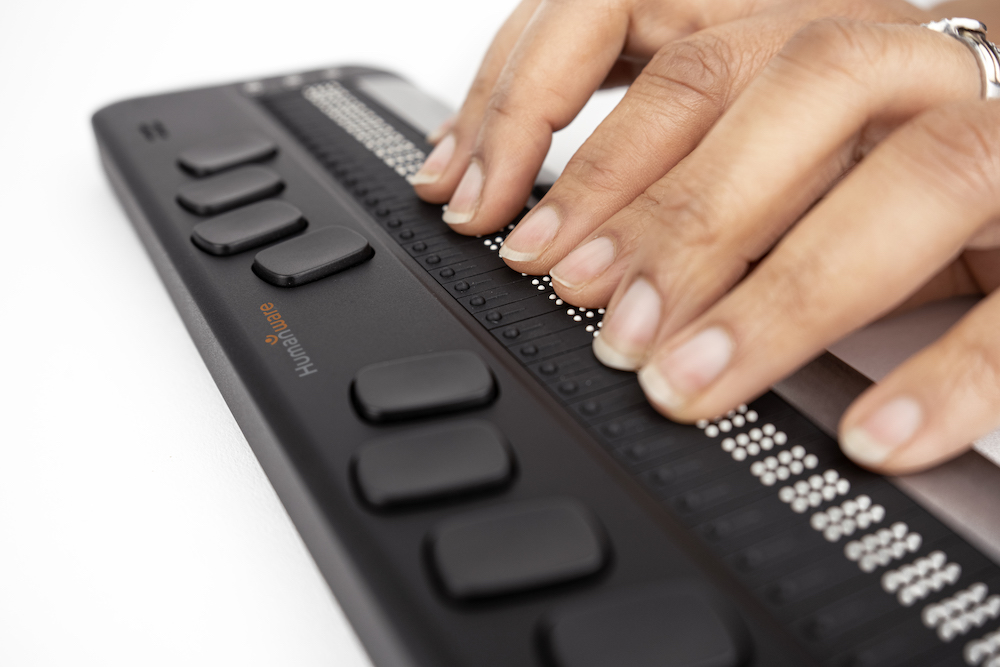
(136, 527)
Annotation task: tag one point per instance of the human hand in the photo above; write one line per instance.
(547, 60)
(736, 282)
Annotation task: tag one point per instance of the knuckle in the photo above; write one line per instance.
(481, 88)
(596, 170)
(963, 149)
(836, 46)
(699, 69)
(979, 361)
(679, 206)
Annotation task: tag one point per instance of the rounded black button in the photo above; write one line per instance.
(613, 429)
(638, 451)
(477, 301)
(372, 201)
(494, 316)
(590, 408)
(419, 246)
(461, 286)
(512, 332)
(432, 259)
(361, 191)
(567, 387)
(406, 234)
(351, 180)
(529, 350)
(447, 273)
(394, 223)
(341, 172)
(383, 211)
(548, 368)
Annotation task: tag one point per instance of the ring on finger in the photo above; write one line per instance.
(972, 33)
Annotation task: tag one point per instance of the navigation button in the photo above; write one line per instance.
(229, 190)
(517, 547)
(225, 153)
(670, 624)
(423, 385)
(433, 463)
(311, 257)
(248, 227)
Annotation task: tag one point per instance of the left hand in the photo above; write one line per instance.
(736, 282)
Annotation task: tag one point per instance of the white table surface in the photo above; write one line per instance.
(136, 527)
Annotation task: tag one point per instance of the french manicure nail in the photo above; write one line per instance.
(463, 203)
(629, 329)
(885, 431)
(585, 263)
(531, 236)
(436, 163)
(670, 381)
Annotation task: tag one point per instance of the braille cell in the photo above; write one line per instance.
(880, 548)
(984, 651)
(812, 492)
(737, 418)
(920, 578)
(788, 463)
(960, 613)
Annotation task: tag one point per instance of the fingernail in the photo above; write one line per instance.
(441, 130)
(628, 330)
(673, 379)
(885, 431)
(585, 263)
(463, 203)
(436, 163)
(531, 236)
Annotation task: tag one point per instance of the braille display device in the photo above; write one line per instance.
(475, 487)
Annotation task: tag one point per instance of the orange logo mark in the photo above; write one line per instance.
(271, 339)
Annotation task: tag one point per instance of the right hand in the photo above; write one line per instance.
(689, 60)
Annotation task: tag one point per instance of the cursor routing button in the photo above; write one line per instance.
(311, 257)
(669, 624)
(516, 547)
(424, 385)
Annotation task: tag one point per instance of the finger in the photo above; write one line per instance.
(441, 131)
(984, 266)
(674, 101)
(454, 139)
(954, 280)
(894, 222)
(796, 129)
(933, 406)
(664, 115)
(564, 55)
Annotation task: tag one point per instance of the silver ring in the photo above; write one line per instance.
(972, 33)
